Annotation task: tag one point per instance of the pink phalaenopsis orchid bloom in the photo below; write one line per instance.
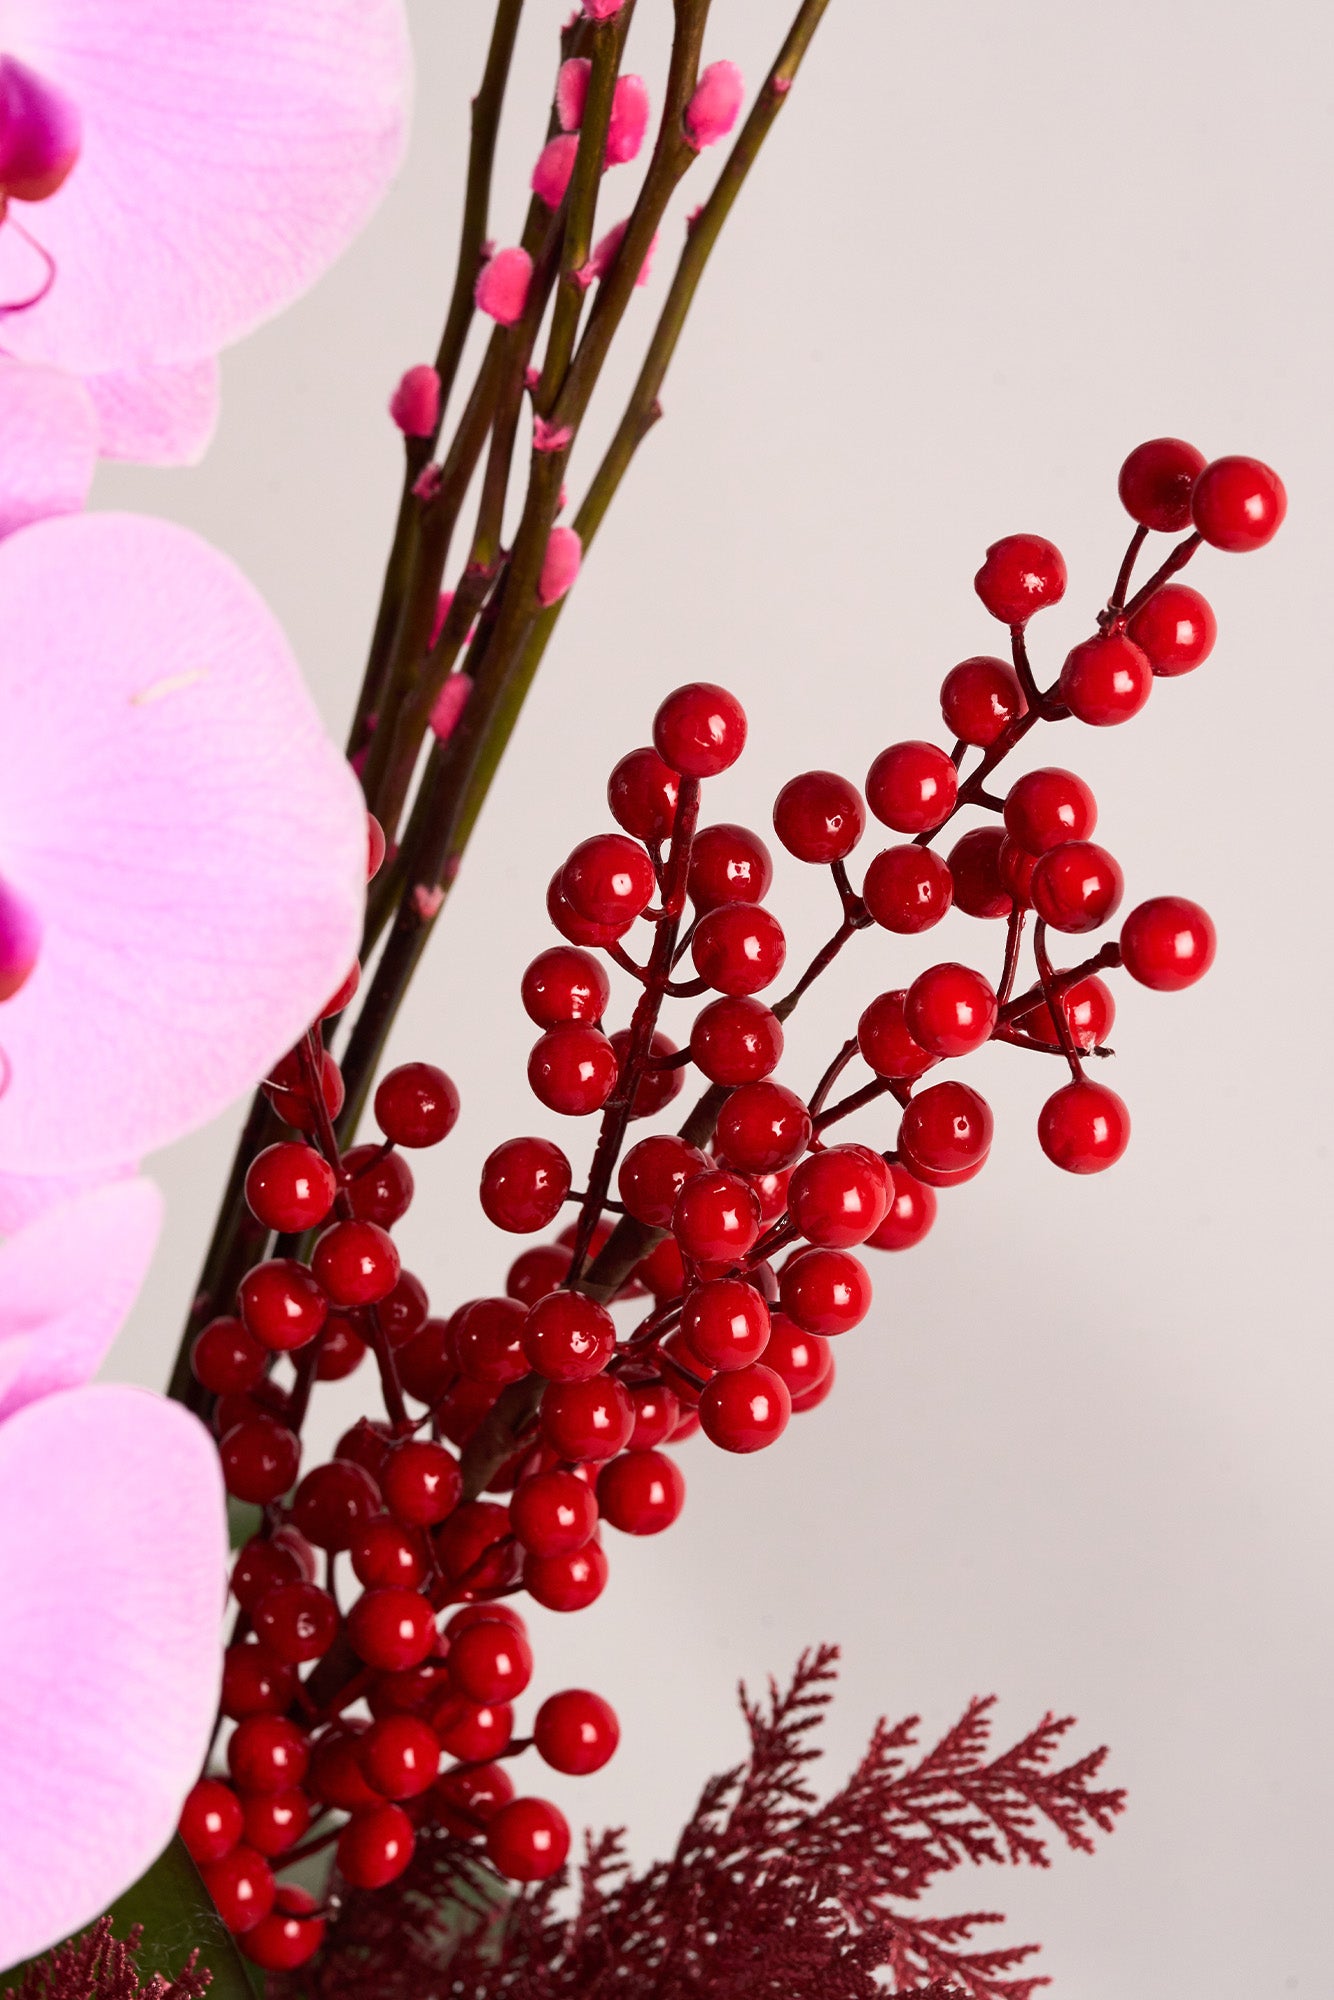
(210, 159)
(112, 1564)
(182, 849)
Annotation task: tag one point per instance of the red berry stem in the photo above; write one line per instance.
(820, 1095)
(1101, 961)
(1178, 559)
(1051, 993)
(1116, 602)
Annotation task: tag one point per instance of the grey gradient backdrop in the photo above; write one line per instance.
(1079, 1454)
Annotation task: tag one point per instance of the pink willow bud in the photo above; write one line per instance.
(608, 249)
(502, 286)
(415, 403)
(555, 165)
(602, 10)
(449, 706)
(712, 111)
(629, 120)
(572, 92)
(446, 598)
(40, 134)
(560, 565)
(21, 933)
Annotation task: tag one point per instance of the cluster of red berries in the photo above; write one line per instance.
(740, 1230)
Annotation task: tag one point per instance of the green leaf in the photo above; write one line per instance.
(243, 1520)
(178, 1917)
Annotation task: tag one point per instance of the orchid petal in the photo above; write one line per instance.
(49, 427)
(231, 150)
(166, 416)
(192, 841)
(26, 1197)
(66, 1284)
(112, 1575)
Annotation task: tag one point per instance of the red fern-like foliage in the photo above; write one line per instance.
(770, 1895)
(99, 1966)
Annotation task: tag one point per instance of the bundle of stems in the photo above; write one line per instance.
(497, 630)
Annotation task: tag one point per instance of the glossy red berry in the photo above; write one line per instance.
(657, 1086)
(974, 865)
(1045, 807)
(260, 1458)
(582, 1420)
(286, 1091)
(488, 1340)
(725, 1323)
(1084, 1127)
(946, 1128)
(911, 1212)
(1168, 943)
(420, 1690)
(386, 1554)
(290, 1187)
(662, 1271)
(334, 1502)
(342, 1349)
(1022, 574)
(1077, 886)
(475, 1546)
(391, 1629)
(763, 1128)
(255, 1681)
(282, 1304)
(378, 1185)
(375, 1847)
(652, 1175)
(465, 1799)
(950, 1010)
(297, 1621)
(608, 880)
(1106, 680)
(242, 1888)
(642, 792)
(289, 1936)
(524, 1183)
(528, 1840)
(802, 1359)
(267, 1753)
(336, 1777)
(1156, 481)
(403, 1310)
(226, 1358)
(1015, 866)
(739, 948)
(356, 1263)
(736, 1040)
(577, 929)
(825, 1291)
(376, 847)
(887, 1043)
(569, 1582)
(980, 698)
(700, 730)
(421, 1482)
(427, 1364)
(745, 1411)
(568, 1338)
(538, 1271)
(1238, 504)
(365, 1444)
(263, 1564)
(211, 1821)
(572, 1070)
(836, 1197)
(565, 985)
(912, 787)
(717, 1218)
(1175, 629)
(472, 1733)
(576, 1732)
(819, 817)
(641, 1492)
(490, 1662)
(907, 889)
(554, 1513)
(275, 1821)
(1089, 1011)
(657, 1410)
(416, 1105)
(728, 864)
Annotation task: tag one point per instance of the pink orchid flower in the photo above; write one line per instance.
(112, 1568)
(182, 849)
(180, 170)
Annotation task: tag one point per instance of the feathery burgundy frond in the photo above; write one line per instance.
(99, 1966)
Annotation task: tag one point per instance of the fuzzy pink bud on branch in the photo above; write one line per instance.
(415, 403)
(560, 565)
(713, 110)
(502, 286)
(572, 92)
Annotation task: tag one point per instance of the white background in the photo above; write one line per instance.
(1079, 1454)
